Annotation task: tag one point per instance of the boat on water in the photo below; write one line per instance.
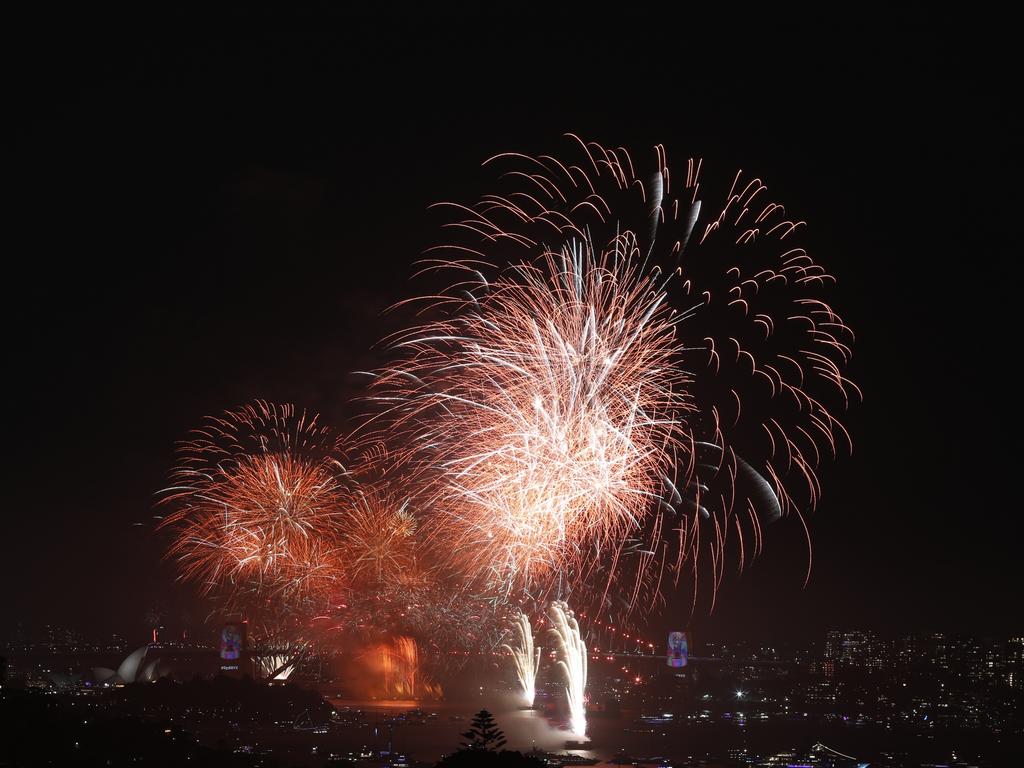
(562, 758)
(576, 744)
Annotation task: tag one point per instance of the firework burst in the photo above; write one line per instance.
(379, 538)
(387, 582)
(587, 438)
(622, 382)
(549, 399)
(258, 499)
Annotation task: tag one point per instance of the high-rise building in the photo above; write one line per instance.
(833, 644)
(854, 649)
(1014, 665)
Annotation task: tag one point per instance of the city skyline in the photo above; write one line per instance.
(885, 700)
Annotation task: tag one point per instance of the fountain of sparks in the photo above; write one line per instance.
(572, 652)
(526, 659)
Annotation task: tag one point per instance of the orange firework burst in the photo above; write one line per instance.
(569, 447)
(259, 499)
(380, 538)
(395, 584)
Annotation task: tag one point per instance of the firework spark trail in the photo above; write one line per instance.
(258, 497)
(526, 659)
(505, 395)
(573, 663)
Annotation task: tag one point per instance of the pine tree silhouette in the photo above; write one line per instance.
(484, 733)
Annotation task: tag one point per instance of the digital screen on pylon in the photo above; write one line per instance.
(678, 649)
(232, 641)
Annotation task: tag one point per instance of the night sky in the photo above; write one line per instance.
(205, 210)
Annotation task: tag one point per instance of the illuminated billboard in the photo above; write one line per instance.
(232, 641)
(678, 649)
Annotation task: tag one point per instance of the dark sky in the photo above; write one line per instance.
(205, 210)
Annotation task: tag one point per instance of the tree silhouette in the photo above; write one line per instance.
(484, 733)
